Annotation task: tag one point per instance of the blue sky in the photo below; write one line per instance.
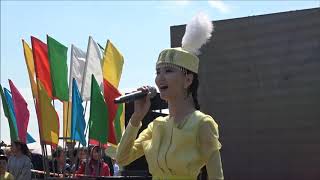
(139, 29)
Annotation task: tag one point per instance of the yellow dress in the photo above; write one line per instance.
(175, 151)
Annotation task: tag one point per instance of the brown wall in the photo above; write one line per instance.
(260, 80)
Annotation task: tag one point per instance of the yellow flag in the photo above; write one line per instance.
(122, 120)
(66, 119)
(49, 118)
(30, 66)
(112, 64)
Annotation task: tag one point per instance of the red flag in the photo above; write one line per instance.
(41, 62)
(110, 93)
(21, 112)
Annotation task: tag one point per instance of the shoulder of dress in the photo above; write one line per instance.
(204, 118)
(161, 119)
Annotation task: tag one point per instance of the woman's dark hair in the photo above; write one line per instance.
(96, 148)
(193, 89)
(78, 150)
(23, 147)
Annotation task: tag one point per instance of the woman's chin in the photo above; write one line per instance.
(163, 96)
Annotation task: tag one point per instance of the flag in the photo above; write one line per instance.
(112, 64)
(110, 93)
(77, 63)
(119, 122)
(67, 108)
(41, 62)
(28, 56)
(49, 123)
(77, 118)
(30, 139)
(21, 112)
(112, 69)
(57, 54)
(13, 124)
(30, 66)
(98, 124)
(92, 66)
(8, 112)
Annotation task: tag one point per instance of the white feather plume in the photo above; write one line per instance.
(198, 32)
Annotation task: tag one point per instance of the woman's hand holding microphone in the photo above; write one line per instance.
(141, 107)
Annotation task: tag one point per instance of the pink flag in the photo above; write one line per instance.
(21, 112)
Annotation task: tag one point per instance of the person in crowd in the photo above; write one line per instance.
(4, 175)
(80, 156)
(95, 166)
(176, 146)
(107, 159)
(58, 163)
(116, 168)
(7, 152)
(19, 164)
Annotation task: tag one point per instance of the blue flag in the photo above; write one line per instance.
(30, 139)
(78, 123)
(8, 96)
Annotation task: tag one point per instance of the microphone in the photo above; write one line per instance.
(136, 95)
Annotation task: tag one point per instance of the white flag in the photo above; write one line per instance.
(77, 63)
(93, 66)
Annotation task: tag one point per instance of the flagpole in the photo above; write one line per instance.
(43, 153)
(99, 161)
(66, 138)
(46, 160)
(64, 148)
(53, 164)
(85, 135)
(44, 156)
(77, 158)
(43, 159)
(85, 108)
(67, 123)
(70, 91)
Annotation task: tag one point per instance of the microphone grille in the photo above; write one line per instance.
(152, 92)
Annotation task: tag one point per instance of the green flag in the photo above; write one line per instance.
(10, 116)
(98, 124)
(58, 67)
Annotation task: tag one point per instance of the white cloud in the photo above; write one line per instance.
(220, 5)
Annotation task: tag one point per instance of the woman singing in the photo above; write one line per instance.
(179, 145)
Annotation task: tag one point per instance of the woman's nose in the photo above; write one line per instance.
(161, 76)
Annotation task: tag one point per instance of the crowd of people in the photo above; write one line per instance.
(17, 162)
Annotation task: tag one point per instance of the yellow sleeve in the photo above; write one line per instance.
(209, 148)
(130, 148)
(214, 166)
